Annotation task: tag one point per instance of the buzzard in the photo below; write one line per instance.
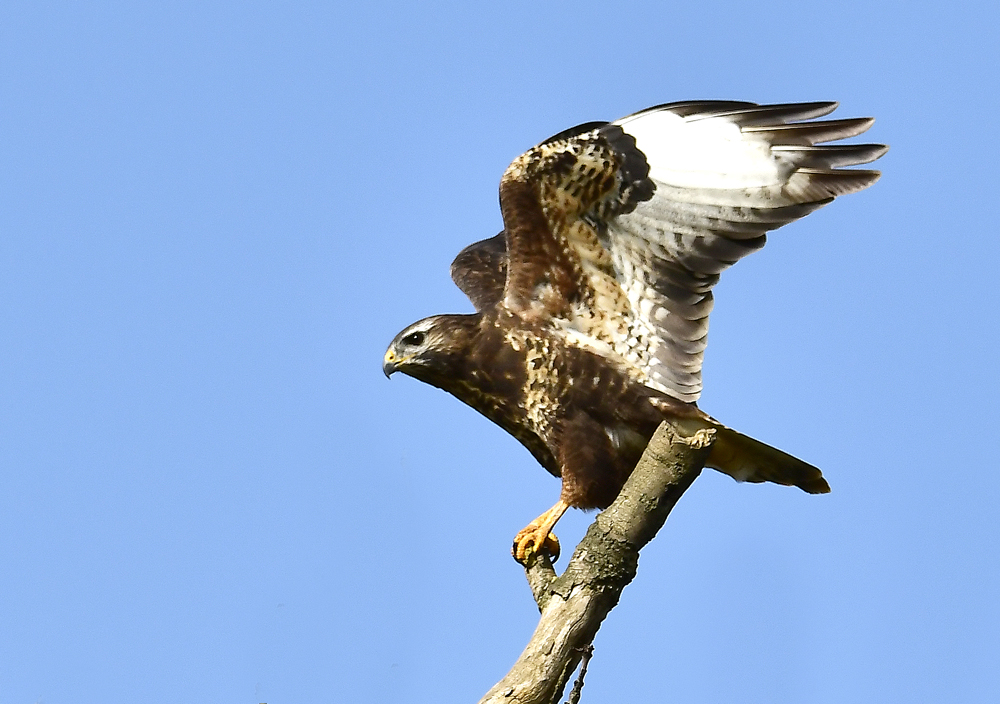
(592, 305)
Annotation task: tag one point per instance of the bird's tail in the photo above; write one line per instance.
(748, 460)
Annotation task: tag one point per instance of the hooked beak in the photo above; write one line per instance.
(389, 363)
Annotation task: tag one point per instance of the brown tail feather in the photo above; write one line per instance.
(749, 460)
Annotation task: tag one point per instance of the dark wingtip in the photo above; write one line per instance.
(816, 486)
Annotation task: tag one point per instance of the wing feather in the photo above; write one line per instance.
(812, 133)
(830, 157)
(758, 115)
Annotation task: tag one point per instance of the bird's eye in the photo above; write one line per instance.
(413, 339)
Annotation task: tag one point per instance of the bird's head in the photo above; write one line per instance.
(432, 349)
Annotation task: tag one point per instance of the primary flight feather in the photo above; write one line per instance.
(593, 303)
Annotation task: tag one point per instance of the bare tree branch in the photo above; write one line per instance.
(574, 695)
(574, 605)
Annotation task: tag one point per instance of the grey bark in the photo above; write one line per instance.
(574, 604)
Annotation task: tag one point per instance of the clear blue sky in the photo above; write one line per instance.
(214, 217)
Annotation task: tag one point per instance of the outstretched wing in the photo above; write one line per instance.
(616, 235)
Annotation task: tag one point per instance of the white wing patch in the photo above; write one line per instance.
(722, 181)
(703, 153)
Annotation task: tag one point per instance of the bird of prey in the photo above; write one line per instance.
(592, 305)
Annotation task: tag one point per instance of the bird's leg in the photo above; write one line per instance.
(537, 536)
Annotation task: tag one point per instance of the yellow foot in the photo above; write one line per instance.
(537, 535)
(534, 538)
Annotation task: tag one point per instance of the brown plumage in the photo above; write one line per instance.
(592, 304)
